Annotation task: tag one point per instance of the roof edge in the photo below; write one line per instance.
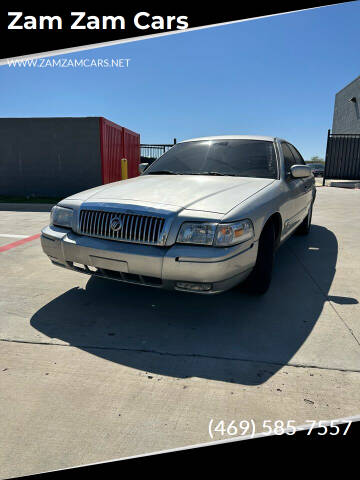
(348, 84)
(231, 137)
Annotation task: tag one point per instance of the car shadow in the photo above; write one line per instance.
(227, 337)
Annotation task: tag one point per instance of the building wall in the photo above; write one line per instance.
(51, 157)
(347, 114)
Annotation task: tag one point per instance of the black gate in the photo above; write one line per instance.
(149, 152)
(342, 161)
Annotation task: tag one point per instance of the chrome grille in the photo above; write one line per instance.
(135, 228)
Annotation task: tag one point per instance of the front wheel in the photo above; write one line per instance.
(259, 279)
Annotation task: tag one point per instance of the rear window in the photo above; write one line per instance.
(242, 158)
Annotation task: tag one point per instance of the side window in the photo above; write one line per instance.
(289, 159)
(298, 158)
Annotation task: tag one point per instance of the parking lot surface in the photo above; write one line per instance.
(92, 370)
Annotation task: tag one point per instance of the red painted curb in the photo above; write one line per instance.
(19, 242)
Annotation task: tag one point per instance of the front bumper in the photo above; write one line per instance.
(218, 269)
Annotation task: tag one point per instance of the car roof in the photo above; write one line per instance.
(232, 137)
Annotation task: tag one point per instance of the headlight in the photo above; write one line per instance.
(217, 234)
(232, 233)
(62, 217)
(198, 233)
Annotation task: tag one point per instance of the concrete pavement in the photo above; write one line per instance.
(92, 370)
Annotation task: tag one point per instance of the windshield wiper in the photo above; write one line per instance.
(171, 172)
(221, 174)
(212, 173)
(164, 172)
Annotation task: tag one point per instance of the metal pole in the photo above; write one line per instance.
(326, 155)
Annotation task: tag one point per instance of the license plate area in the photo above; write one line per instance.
(109, 264)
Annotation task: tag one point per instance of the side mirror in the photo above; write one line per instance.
(143, 167)
(300, 171)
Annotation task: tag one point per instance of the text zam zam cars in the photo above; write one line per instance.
(205, 216)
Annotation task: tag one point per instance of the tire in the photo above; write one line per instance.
(305, 225)
(259, 280)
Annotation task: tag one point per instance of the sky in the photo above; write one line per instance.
(274, 76)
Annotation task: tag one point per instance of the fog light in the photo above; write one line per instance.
(196, 287)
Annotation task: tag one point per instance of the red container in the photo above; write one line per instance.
(117, 143)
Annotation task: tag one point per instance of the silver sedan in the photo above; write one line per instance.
(207, 215)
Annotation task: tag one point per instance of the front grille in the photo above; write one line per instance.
(135, 228)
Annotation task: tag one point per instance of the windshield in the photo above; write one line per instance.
(240, 158)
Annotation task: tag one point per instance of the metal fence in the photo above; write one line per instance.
(342, 160)
(150, 152)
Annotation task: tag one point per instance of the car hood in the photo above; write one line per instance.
(193, 192)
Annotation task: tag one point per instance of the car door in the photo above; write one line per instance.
(295, 199)
(308, 182)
